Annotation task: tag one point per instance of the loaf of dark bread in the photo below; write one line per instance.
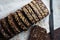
(38, 33)
(23, 18)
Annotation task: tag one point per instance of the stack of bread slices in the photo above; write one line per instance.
(22, 19)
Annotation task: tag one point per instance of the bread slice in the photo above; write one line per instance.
(9, 26)
(11, 22)
(35, 10)
(39, 9)
(22, 18)
(6, 28)
(21, 26)
(32, 13)
(2, 31)
(28, 15)
(42, 7)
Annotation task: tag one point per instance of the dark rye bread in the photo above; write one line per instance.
(38, 33)
(11, 22)
(6, 27)
(32, 13)
(2, 31)
(28, 15)
(23, 19)
(20, 25)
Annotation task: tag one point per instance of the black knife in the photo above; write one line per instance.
(51, 21)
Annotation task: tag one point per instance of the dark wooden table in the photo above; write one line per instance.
(56, 34)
